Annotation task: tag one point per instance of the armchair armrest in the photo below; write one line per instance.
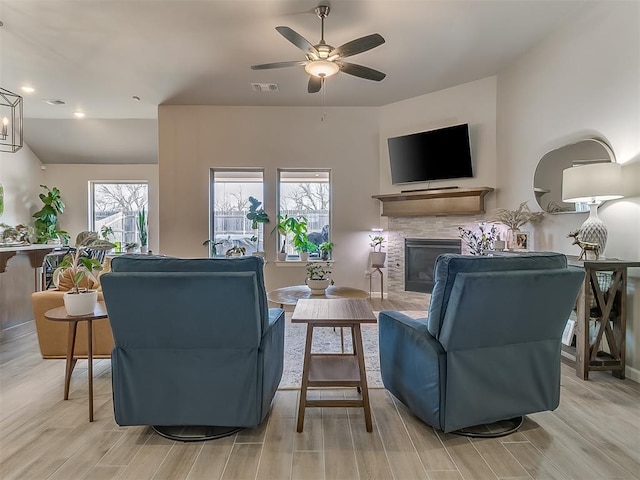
(412, 364)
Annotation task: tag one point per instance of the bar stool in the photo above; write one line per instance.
(376, 268)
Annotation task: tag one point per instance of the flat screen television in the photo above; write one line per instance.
(433, 155)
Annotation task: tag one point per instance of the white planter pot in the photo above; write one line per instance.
(304, 256)
(378, 258)
(80, 303)
(144, 249)
(317, 287)
(282, 257)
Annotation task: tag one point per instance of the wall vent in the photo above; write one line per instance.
(264, 87)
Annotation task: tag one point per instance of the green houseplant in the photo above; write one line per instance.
(80, 300)
(294, 226)
(46, 219)
(142, 231)
(325, 250)
(377, 255)
(257, 216)
(318, 277)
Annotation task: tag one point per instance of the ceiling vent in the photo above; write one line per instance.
(264, 87)
(53, 101)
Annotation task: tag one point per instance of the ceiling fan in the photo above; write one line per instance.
(323, 60)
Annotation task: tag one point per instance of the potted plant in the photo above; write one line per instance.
(130, 247)
(296, 226)
(304, 246)
(377, 255)
(47, 217)
(80, 300)
(142, 231)
(325, 250)
(257, 216)
(236, 251)
(318, 277)
(213, 246)
(514, 219)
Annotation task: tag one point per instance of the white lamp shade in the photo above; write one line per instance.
(596, 182)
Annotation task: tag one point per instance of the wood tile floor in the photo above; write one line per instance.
(595, 434)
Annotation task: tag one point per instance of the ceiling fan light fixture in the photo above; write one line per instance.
(321, 68)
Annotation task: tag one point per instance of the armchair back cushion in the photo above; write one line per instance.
(448, 266)
(194, 343)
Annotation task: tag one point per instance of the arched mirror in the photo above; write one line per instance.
(547, 181)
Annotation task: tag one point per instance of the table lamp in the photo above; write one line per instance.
(592, 183)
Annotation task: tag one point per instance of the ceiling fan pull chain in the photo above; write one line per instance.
(323, 92)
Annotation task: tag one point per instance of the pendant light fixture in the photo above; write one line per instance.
(10, 121)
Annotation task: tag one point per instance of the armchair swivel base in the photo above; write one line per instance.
(481, 431)
(193, 433)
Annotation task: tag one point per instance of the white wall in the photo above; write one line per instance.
(73, 182)
(21, 176)
(473, 103)
(582, 81)
(194, 139)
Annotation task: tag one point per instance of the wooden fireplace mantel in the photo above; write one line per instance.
(454, 201)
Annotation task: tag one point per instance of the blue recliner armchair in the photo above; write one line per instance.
(195, 341)
(490, 348)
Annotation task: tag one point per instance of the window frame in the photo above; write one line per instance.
(279, 172)
(212, 193)
(92, 199)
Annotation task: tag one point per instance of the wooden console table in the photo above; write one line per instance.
(607, 306)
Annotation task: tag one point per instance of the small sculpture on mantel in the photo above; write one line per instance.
(585, 246)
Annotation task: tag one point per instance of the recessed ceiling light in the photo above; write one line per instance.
(27, 89)
(53, 101)
(78, 114)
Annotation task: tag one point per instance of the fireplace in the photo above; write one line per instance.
(419, 259)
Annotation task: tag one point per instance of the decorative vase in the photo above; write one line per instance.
(593, 230)
(82, 303)
(317, 287)
(511, 239)
(144, 249)
(325, 255)
(378, 258)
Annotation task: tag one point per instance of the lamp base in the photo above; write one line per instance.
(593, 229)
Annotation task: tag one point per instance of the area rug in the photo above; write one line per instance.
(326, 340)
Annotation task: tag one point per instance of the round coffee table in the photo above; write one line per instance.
(290, 296)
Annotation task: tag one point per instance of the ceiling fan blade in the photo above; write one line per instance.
(315, 84)
(266, 66)
(298, 40)
(358, 45)
(360, 71)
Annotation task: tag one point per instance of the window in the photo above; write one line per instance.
(306, 193)
(230, 192)
(115, 207)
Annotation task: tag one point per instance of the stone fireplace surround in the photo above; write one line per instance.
(427, 227)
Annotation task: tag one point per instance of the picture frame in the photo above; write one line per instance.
(522, 241)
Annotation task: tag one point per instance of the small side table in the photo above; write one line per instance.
(334, 369)
(60, 314)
